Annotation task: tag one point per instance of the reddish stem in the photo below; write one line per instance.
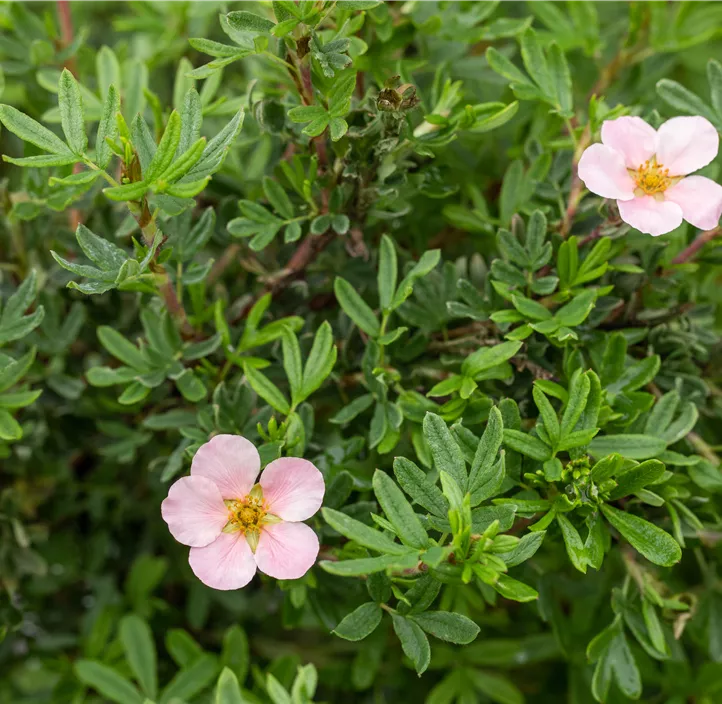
(698, 243)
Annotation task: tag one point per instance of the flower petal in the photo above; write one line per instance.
(700, 199)
(227, 563)
(231, 462)
(293, 488)
(652, 216)
(286, 550)
(632, 137)
(686, 144)
(604, 172)
(194, 511)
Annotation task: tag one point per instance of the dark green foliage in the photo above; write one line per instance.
(353, 232)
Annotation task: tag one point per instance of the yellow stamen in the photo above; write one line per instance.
(651, 178)
(248, 515)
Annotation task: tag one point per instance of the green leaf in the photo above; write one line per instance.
(399, 511)
(128, 191)
(361, 533)
(10, 429)
(267, 390)
(235, 654)
(166, 149)
(191, 680)
(107, 682)
(216, 150)
(451, 627)
(415, 483)
(44, 160)
(277, 197)
(488, 357)
(535, 62)
(635, 447)
(685, 100)
(445, 450)
(121, 348)
(292, 364)
(242, 21)
(355, 307)
(356, 407)
(361, 4)
(527, 444)
(483, 480)
(573, 542)
(320, 362)
(561, 78)
(31, 131)
(228, 690)
(497, 688)
(139, 648)
(71, 112)
(190, 386)
(525, 548)
(637, 478)
(578, 395)
(103, 253)
(183, 164)
(515, 590)
(107, 128)
(547, 414)
(656, 545)
(388, 271)
(427, 263)
(360, 623)
(714, 77)
(369, 565)
(413, 642)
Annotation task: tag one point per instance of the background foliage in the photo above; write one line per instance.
(353, 232)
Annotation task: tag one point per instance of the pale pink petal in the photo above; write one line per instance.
(293, 488)
(632, 137)
(231, 461)
(700, 199)
(686, 144)
(604, 172)
(194, 511)
(651, 216)
(286, 550)
(227, 563)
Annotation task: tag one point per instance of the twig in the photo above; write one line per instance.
(174, 305)
(609, 73)
(225, 260)
(304, 255)
(699, 242)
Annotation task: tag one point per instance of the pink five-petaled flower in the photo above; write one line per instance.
(234, 525)
(645, 171)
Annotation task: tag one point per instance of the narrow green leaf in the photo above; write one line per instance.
(107, 682)
(355, 307)
(166, 149)
(656, 545)
(139, 648)
(228, 690)
(573, 542)
(361, 533)
(31, 131)
(388, 271)
(399, 511)
(360, 623)
(415, 483)
(267, 390)
(320, 362)
(445, 450)
(413, 642)
(451, 627)
(71, 112)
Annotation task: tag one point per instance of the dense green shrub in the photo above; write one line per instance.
(356, 233)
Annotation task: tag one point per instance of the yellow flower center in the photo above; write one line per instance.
(651, 178)
(246, 514)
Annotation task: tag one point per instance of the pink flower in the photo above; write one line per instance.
(645, 171)
(234, 525)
